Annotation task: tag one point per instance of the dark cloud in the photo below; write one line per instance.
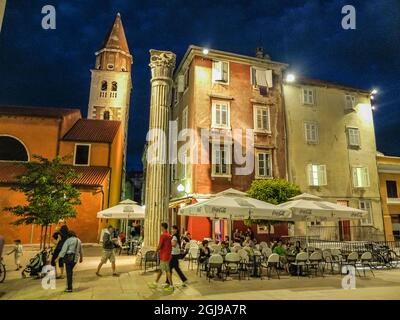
(51, 68)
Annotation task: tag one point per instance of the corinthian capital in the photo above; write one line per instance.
(162, 59)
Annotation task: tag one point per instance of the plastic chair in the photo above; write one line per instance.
(232, 264)
(365, 261)
(352, 260)
(315, 261)
(301, 261)
(272, 263)
(215, 262)
(193, 256)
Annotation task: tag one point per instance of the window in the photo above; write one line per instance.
(317, 175)
(263, 165)
(220, 71)
(391, 188)
(308, 96)
(261, 119)
(114, 86)
(350, 102)
(186, 83)
(311, 132)
(110, 66)
(104, 85)
(261, 77)
(82, 155)
(353, 137)
(360, 177)
(366, 205)
(221, 160)
(11, 149)
(220, 114)
(185, 118)
(106, 115)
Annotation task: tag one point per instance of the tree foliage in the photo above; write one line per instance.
(50, 196)
(274, 191)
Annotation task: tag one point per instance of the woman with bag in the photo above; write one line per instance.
(71, 253)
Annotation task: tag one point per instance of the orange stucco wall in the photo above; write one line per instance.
(86, 224)
(41, 138)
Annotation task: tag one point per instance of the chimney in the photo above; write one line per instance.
(260, 52)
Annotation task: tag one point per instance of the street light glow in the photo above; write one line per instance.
(373, 107)
(205, 51)
(374, 91)
(180, 188)
(290, 77)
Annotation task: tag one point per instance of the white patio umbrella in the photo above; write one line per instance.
(307, 207)
(235, 205)
(125, 210)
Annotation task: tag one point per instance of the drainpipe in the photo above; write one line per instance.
(285, 128)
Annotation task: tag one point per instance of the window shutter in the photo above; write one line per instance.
(310, 175)
(268, 76)
(365, 177)
(355, 178)
(225, 73)
(253, 76)
(181, 83)
(322, 181)
(217, 71)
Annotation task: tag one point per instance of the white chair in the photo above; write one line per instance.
(193, 244)
(272, 263)
(266, 252)
(214, 263)
(243, 254)
(232, 264)
(193, 256)
(351, 261)
(263, 244)
(315, 261)
(327, 258)
(301, 261)
(237, 244)
(365, 260)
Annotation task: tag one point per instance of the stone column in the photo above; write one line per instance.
(162, 64)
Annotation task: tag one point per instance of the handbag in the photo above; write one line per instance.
(70, 257)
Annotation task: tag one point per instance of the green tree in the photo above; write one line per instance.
(49, 194)
(274, 191)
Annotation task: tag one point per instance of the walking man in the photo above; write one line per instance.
(176, 255)
(165, 248)
(108, 251)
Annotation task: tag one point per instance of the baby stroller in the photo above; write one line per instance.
(36, 264)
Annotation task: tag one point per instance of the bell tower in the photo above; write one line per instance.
(111, 83)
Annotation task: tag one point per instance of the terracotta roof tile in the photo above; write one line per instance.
(86, 130)
(41, 112)
(89, 176)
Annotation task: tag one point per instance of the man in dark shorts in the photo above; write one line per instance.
(165, 249)
(59, 238)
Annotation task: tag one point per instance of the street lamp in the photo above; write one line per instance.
(290, 77)
(180, 188)
(205, 51)
(374, 91)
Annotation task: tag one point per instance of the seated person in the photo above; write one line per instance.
(122, 237)
(248, 242)
(279, 249)
(296, 248)
(205, 252)
(236, 236)
(225, 248)
(186, 239)
(227, 241)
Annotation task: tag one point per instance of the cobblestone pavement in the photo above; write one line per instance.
(132, 284)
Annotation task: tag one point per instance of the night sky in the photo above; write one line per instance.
(51, 67)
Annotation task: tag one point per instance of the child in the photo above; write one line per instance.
(17, 253)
